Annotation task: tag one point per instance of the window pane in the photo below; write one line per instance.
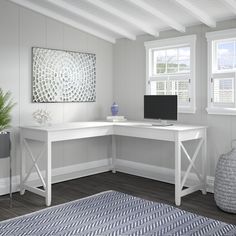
(225, 55)
(184, 66)
(160, 61)
(158, 88)
(160, 55)
(170, 53)
(172, 67)
(223, 90)
(161, 86)
(160, 68)
(184, 59)
(183, 97)
(181, 88)
(184, 53)
(183, 85)
(172, 63)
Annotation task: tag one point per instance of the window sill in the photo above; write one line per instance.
(188, 110)
(221, 111)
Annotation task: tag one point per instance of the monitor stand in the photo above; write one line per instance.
(162, 123)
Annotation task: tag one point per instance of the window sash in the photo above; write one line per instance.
(215, 95)
(214, 59)
(171, 84)
(178, 60)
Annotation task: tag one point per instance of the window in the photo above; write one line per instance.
(171, 70)
(221, 72)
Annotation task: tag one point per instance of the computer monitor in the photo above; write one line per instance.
(161, 107)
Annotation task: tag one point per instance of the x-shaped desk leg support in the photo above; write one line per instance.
(179, 181)
(45, 182)
(34, 165)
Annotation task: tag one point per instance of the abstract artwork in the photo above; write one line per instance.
(63, 76)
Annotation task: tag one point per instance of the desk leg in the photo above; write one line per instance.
(204, 163)
(177, 171)
(48, 173)
(113, 154)
(10, 172)
(22, 165)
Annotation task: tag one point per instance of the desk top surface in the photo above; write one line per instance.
(97, 124)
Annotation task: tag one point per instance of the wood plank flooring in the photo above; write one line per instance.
(137, 186)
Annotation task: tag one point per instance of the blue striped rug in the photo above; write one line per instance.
(114, 213)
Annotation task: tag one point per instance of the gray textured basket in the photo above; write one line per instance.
(225, 182)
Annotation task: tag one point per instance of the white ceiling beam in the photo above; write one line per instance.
(92, 18)
(231, 4)
(155, 12)
(124, 16)
(197, 13)
(65, 20)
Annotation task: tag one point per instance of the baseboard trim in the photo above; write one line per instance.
(59, 174)
(94, 167)
(158, 173)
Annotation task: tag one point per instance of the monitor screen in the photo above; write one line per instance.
(162, 107)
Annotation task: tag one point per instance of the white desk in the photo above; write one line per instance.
(62, 132)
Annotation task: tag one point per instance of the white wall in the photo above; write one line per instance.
(20, 29)
(129, 70)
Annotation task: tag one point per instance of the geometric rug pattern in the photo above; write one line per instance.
(114, 213)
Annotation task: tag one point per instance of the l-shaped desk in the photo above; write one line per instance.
(78, 130)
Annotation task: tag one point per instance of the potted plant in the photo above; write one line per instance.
(6, 105)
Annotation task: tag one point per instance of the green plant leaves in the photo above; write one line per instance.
(6, 105)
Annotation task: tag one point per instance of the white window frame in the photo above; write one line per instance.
(212, 38)
(189, 41)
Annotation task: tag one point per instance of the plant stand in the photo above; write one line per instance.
(5, 152)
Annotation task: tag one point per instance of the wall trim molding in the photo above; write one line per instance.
(59, 174)
(158, 173)
(95, 167)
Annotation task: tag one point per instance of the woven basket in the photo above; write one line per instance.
(225, 182)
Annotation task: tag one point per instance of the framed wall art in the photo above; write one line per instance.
(63, 76)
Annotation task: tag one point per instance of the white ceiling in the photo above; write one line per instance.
(114, 19)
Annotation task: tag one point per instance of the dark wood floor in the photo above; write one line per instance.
(137, 186)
